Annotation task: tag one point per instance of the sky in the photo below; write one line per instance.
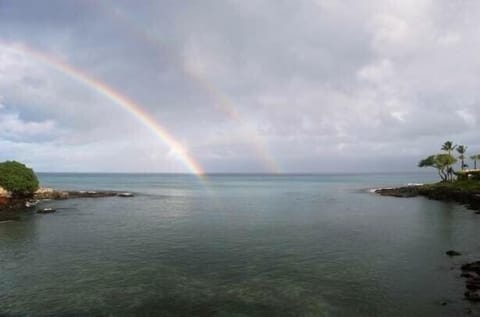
(264, 86)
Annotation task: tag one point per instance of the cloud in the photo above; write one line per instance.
(12, 127)
(309, 83)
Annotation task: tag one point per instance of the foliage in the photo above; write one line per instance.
(442, 162)
(462, 149)
(448, 147)
(475, 158)
(18, 179)
(460, 185)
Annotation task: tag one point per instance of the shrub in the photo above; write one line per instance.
(17, 178)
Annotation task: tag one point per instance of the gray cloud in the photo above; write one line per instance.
(312, 84)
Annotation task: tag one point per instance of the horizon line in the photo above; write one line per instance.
(243, 173)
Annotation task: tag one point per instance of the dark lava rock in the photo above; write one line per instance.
(472, 267)
(473, 283)
(46, 211)
(90, 194)
(404, 192)
(453, 253)
(472, 272)
(470, 275)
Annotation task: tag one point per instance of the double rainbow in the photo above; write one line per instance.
(223, 102)
(116, 97)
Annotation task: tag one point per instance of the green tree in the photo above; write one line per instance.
(441, 162)
(462, 149)
(475, 158)
(17, 178)
(449, 147)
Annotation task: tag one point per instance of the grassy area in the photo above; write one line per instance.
(461, 185)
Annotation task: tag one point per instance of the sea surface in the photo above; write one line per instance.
(238, 245)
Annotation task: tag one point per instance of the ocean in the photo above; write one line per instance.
(238, 245)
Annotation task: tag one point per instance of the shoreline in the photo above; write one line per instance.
(12, 208)
(467, 196)
(470, 198)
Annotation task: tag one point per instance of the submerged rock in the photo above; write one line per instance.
(453, 253)
(473, 295)
(472, 267)
(473, 283)
(470, 275)
(471, 271)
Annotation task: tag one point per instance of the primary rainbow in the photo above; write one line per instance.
(223, 103)
(123, 101)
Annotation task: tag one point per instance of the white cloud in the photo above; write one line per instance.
(304, 80)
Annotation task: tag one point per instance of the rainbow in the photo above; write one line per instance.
(116, 97)
(223, 102)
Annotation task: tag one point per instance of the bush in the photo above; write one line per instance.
(18, 179)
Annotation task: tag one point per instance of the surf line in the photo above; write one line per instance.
(132, 107)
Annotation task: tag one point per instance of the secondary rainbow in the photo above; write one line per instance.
(223, 103)
(123, 101)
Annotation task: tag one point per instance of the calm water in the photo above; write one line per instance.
(237, 246)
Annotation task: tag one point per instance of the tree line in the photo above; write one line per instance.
(444, 162)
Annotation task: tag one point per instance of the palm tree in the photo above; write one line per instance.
(449, 147)
(461, 149)
(475, 158)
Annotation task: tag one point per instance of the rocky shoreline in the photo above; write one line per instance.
(11, 208)
(468, 198)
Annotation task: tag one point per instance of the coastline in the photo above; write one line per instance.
(463, 195)
(11, 208)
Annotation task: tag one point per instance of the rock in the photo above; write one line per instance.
(472, 272)
(31, 203)
(404, 192)
(453, 253)
(46, 211)
(5, 193)
(91, 194)
(473, 284)
(49, 193)
(473, 295)
(125, 195)
(470, 275)
(471, 267)
(4, 201)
